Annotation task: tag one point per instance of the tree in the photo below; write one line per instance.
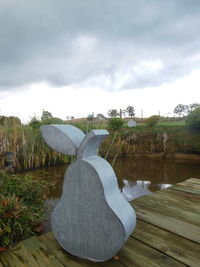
(131, 111)
(90, 117)
(193, 106)
(122, 113)
(152, 121)
(35, 123)
(193, 120)
(46, 115)
(113, 113)
(181, 110)
(115, 123)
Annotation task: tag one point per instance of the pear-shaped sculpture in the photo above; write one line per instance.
(92, 219)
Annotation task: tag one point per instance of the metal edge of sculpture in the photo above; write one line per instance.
(92, 219)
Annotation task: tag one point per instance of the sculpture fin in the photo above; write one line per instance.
(62, 138)
(91, 142)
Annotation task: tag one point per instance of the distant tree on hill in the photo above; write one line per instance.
(46, 115)
(122, 113)
(193, 106)
(90, 117)
(113, 113)
(130, 110)
(181, 110)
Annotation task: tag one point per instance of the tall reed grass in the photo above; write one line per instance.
(29, 149)
(31, 152)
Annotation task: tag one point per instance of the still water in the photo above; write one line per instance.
(136, 177)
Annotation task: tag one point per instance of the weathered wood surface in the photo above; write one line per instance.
(167, 234)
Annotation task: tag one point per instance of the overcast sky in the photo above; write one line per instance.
(75, 57)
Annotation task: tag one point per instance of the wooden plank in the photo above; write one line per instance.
(170, 208)
(68, 260)
(40, 253)
(172, 245)
(21, 256)
(175, 202)
(193, 181)
(185, 189)
(179, 227)
(29, 252)
(16, 257)
(191, 185)
(180, 196)
(135, 253)
(112, 263)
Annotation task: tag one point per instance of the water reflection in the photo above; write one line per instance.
(135, 189)
(141, 176)
(136, 177)
(132, 190)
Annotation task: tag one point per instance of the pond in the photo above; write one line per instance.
(136, 177)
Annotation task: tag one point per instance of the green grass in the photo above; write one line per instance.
(172, 123)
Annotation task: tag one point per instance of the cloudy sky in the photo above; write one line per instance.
(75, 57)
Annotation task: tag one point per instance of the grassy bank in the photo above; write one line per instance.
(29, 148)
(30, 151)
(166, 139)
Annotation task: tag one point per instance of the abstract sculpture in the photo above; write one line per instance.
(92, 219)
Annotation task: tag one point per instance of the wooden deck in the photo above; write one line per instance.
(167, 234)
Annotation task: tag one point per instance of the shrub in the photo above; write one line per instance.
(35, 123)
(52, 120)
(10, 121)
(115, 123)
(153, 120)
(22, 207)
(193, 120)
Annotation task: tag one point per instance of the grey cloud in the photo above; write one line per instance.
(69, 42)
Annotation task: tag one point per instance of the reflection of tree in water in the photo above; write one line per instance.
(158, 171)
(159, 174)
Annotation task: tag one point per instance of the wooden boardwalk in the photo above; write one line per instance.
(167, 234)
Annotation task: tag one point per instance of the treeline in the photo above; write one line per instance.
(152, 136)
(184, 110)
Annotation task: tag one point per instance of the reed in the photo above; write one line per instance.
(29, 149)
(31, 152)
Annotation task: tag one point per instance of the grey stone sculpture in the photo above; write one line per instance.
(92, 219)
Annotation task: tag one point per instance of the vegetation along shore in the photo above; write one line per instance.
(179, 137)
